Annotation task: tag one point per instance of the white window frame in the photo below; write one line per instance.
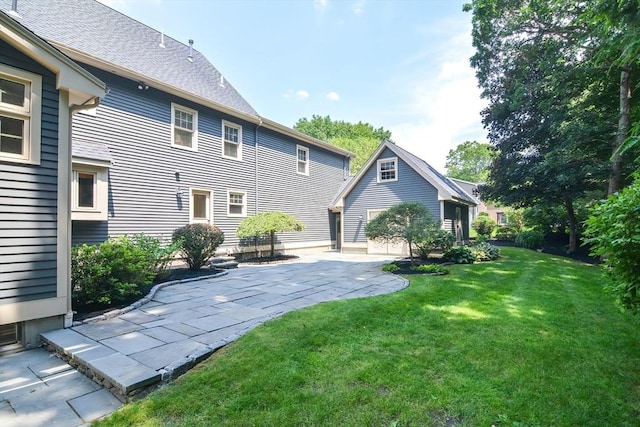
(300, 148)
(98, 212)
(379, 171)
(209, 216)
(30, 113)
(244, 203)
(194, 114)
(238, 127)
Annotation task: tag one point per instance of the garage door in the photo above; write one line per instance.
(381, 247)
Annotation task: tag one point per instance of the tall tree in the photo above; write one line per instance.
(470, 161)
(550, 110)
(360, 138)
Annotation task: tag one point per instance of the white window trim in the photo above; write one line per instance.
(209, 194)
(244, 204)
(100, 193)
(379, 172)
(239, 128)
(31, 114)
(306, 163)
(194, 145)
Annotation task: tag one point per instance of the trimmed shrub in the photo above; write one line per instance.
(110, 272)
(483, 225)
(485, 251)
(531, 239)
(506, 232)
(431, 269)
(459, 255)
(390, 268)
(198, 243)
(433, 239)
(159, 256)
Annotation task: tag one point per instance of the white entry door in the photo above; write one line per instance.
(380, 247)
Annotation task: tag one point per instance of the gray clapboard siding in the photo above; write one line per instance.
(307, 197)
(28, 203)
(368, 194)
(136, 126)
(450, 214)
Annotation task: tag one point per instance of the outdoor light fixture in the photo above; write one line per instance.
(361, 218)
(142, 85)
(179, 193)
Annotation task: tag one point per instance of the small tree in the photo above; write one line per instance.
(406, 221)
(198, 243)
(613, 230)
(483, 225)
(269, 223)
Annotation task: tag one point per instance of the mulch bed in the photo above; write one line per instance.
(268, 260)
(92, 310)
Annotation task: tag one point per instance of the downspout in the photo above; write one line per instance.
(68, 318)
(256, 163)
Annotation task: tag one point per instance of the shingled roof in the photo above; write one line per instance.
(90, 31)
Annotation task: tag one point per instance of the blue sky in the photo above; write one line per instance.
(402, 65)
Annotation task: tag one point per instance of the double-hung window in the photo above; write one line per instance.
(201, 206)
(20, 111)
(303, 160)
(85, 186)
(236, 203)
(231, 140)
(388, 169)
(184, 122)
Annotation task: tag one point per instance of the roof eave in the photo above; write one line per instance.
(80, 83)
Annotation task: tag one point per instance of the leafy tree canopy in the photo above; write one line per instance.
(269, 223)
(402, 222)
(360, 138)
(470, 161)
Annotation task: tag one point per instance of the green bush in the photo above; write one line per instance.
(198, 243)
(459, 255)
(431, 269)
(110, 272)
(159, 256)
(485, 251)
(390, 268)
(434, 238)
(483, 225)
(531, 239)
(613, 230)
(506, 232)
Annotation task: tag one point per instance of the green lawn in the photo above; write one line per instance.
(524, 341)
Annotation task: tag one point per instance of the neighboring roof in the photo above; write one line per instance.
(82, 86)
(337, 201)
(94, 152)
(468, 187)
(447, 189)
(90, 31)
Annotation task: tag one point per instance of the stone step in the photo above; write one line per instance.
(225, 265)
(122, 375)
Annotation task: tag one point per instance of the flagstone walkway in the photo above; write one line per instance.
(180, 326)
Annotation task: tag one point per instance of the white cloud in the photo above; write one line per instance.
(333, 96)
(302, 94)
(320, 4)
(358, 7)
(442, 102)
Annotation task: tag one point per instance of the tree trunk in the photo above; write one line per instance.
(573, 224)
(273, 238)
(410, 251)
(624, 124)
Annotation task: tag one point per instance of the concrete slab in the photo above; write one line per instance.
(133, 342)
(124, 372)
(95, 405)
(140, 317)
(184, 329)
